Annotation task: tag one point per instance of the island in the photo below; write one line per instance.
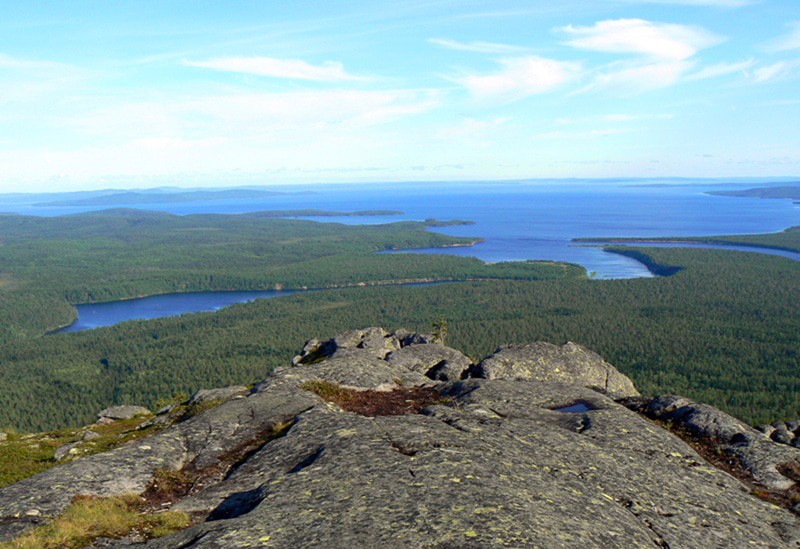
(791, 192)
(323, 213)
(157, 196)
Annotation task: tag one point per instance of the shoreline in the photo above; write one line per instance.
(707, 244)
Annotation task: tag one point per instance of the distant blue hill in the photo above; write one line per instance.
(128, 198)
(787, 191)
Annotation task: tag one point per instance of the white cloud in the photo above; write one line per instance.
(478, 47)
(29, 80)
(721, 69)
(8, 62)
(775, 71)
(658, 40)
(264, 116)
(221, 133)
(789, 41)
(278, 68)
(520, 77)
(637, 78)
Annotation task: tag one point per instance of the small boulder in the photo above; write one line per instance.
(122, 412)
(767, 429)
(90, 435)
(377, 341)
(66, 450)
(569, 363)
(782, 435)
(165, 409)
(218, 394)
(406, 338)
(358, 369)
(432, 360)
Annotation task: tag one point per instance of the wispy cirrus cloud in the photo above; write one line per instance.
(24, 80)
(721, 69)
(477, 47)
(638, 36)
(629, 79)
(296, 69)
(786, 42)
(775, 71)
(520, 77)
(9, 62)
(660, 54)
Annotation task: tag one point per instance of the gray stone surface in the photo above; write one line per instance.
(218, 394)
(432, 360)
(65, 450)
(766, 429)
(377, 342)
(499, 468)
(759, 455)
(123, 412)
(359, 369)
(491, 464)
(200, 442)
(89, 435)
(568, 363)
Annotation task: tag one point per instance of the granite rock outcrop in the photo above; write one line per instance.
(536, 446)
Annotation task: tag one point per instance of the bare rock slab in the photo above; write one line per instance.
(569, 363)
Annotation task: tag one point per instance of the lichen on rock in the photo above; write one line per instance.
(526, 449)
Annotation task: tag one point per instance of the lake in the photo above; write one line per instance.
(517, 220)
(524, 220)
(97, 315)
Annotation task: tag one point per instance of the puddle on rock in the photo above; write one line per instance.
(577, 407)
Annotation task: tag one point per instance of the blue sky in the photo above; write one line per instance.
(98, 94)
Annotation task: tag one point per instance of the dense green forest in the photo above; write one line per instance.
(788, 239)
(48, 263)
(723, 328)
(788, 191)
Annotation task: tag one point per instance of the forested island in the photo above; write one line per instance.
(788, 239)
(723, 328)
(158, 196)
(787, 191)
(323, 213)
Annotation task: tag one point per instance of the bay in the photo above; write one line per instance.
(516, 220)
(524, 219)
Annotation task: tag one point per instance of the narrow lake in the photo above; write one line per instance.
(98, 315)
(518, 220)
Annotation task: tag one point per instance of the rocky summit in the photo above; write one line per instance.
(378, 439)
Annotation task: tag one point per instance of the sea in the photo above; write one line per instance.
(518, 220)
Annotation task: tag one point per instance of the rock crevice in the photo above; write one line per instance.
(528, 448)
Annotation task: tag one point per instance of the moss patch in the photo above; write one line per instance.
(22, 456)
(90, 518)
(371, 403)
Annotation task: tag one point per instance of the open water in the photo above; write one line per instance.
(517, 220)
